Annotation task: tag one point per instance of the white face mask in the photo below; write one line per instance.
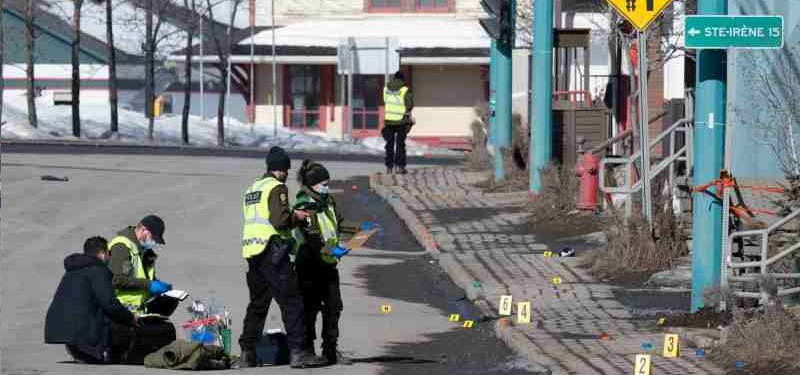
(322, 189)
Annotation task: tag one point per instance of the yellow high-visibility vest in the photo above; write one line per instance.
(328, 227)
(394, 102)
(133, 299)
(257, 227)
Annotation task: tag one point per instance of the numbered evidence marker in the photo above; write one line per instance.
(386, 309)
(548, 254)
(671, 346)
(556, 280)
(469, 323)
(642, 365)
(505, 305)
(455, 317)
(524, 312)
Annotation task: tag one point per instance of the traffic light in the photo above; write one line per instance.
(500, 23)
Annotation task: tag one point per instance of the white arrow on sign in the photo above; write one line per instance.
(694, 32)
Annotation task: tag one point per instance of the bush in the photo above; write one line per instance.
(767, 342)
(559, 193)
(633, 248)
(515, 159)
(478, 159)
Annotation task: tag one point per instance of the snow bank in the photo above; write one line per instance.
(55, 122)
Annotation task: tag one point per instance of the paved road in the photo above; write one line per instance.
(43, 221)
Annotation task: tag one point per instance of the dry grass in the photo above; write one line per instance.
(515, 160)
(634, 249)
(767, 342)
(559, 193)
(478, 159)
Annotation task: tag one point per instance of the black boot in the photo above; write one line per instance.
(334, 356)
(248, 359)
(304, 359)
(389, 170)
(402, 170)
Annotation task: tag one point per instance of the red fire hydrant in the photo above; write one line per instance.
(586, 169)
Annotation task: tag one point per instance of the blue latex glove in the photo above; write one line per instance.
(339, 251)
(158, 287)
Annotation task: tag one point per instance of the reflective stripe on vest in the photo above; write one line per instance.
(257, 228)
(133, 299)
(394, 102)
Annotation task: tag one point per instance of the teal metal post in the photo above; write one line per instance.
(541, 144)
(492, 90)
(502, 122)
(709, 149)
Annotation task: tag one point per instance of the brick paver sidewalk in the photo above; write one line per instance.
(482, 237)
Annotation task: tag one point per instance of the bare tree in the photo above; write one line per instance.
(2, 61)
(149, 69)
(76, 68)
(191, 28)
(30, 37)
(774, 86)
(223, 47)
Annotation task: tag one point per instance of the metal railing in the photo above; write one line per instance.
(682, 154)
(762, 265)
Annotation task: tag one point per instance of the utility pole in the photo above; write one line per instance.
(709, 148)
(541, 123)
(500, 27)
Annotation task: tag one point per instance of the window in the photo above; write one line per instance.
(418, 6)
(384, 5)
(433, 5)
(367, 102)
(304, 97)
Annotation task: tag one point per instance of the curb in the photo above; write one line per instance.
(515, 339)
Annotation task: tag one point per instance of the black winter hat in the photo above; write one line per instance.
(400, 75)
(278, 160)
(155, 226)
(312, 173)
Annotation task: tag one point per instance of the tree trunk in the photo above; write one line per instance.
(149, 90)
(2, 61)
(76, 71)
(221, 107)
(30, 93)
(187, 90)
(112, 69)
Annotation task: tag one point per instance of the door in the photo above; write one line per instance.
(367, 105)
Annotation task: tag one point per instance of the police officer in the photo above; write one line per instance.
(397, 121)
(266, 245)
(318, 253)
(133, 263)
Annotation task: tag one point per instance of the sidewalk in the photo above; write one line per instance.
(482, 241)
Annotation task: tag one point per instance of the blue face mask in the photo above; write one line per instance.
(322, 189)
(148, 244)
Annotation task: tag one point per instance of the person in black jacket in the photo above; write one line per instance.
(84, 306)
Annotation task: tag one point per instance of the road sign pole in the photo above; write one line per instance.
(492, 90)
(644, 129)
(503, 100)
(709, 146)
(541, 143)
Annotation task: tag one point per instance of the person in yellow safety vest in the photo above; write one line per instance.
(398, 103)
(133, 263)
(267, 245)
(318, 253)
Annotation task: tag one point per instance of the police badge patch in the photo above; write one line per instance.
(284, 198)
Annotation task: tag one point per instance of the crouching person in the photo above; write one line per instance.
(84, 306)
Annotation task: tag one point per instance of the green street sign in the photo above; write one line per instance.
(722, 32)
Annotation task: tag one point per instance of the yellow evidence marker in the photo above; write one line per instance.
(469, 323)
(661, 321)
(556, 280)
(548, 254)
(671, 346)
(386, 309)
(505, 305)
(455, 317)
(524, 312)
(642, 365)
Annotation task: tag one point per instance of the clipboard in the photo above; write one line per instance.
(359, 239)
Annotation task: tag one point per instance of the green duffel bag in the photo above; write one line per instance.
(184, 355)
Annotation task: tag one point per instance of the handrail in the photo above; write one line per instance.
(763, 263)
